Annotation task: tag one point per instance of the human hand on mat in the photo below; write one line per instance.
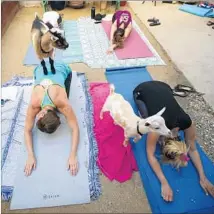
(166, 192)
(110, 50)
(30, 165)
(207, 186)
(73, 164)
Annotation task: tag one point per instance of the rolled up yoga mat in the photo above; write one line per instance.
(188, 194)
(51, 184)
(198, 11)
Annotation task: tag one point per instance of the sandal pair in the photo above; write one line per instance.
(154, 21)
(183, 90)
(210, 23)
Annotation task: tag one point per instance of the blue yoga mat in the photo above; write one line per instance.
(72, 54)
(188, 195)
(198, 11)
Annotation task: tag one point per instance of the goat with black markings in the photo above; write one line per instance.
(45, 38)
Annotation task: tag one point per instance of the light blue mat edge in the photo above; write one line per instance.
(93, 170)
(144, 177)
(198, 11)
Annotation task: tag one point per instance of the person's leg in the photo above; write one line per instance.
(68, 84)
(141, 107)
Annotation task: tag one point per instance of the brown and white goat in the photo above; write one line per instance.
(45, 38)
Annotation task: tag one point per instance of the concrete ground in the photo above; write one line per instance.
(128, 197)
(187, 40)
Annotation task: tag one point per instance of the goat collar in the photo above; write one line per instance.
(43, 50)
(138, 131)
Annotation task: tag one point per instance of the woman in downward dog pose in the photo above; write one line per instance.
(120, 29)
(150, 97)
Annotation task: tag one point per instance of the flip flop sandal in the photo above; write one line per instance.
(181, 87)
(153, 20)
(180, 93)
(98, 22)
(210, 23)
(155, 23)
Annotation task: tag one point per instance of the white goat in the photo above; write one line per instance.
(134, 126)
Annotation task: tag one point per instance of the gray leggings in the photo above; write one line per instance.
(141, 106)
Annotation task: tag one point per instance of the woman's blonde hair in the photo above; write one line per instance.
(175, 153)
(118, 37)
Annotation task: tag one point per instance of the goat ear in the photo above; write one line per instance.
(61, 15)
(161, 111)
(147, 124)
(54, 38)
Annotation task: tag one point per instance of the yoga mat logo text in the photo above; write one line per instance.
(45, 196)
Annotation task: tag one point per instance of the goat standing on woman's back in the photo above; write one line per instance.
(46, 36)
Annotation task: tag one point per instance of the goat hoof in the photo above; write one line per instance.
(45, 71)
(53, 70)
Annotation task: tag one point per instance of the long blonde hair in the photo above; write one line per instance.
(175, 153)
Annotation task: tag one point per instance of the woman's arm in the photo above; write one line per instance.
(29, 123)
(166, 191)
(65, 108)
(128, 31)
(112, 46)
(113, 29)
(190, 137)
(151, 147)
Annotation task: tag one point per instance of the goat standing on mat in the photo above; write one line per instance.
(134, 126)
(45, 38)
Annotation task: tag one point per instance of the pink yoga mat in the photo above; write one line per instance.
(114, 160)
(134, 46)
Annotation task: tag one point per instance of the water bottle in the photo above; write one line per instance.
(92, 12)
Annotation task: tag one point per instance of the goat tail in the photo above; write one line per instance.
(112, 89)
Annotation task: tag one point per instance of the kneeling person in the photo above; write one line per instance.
(150, 97)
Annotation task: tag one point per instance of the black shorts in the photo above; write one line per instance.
(68, 84)
(174, 116)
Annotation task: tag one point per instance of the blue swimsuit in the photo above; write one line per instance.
(62, 72)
